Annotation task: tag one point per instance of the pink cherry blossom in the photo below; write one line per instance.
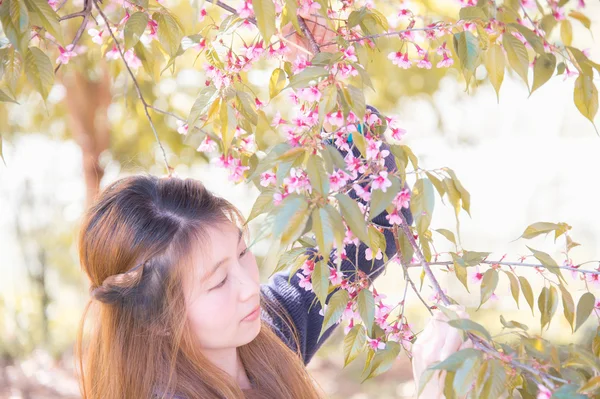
(236, 170)
(349, 327)
(310, 94)
(335, 276)
(277, 120)
(96, 35)
(202, 15)
(304, 282)
(424, 63)
(207, 145)
(308, 7)
(338, 179)
(435, 297)
(441, 50)
(132, 60)
(362, 192)
(476, 276)
(559, 14)
(446, 62)
(369, 254)
(543, 392)
(182, 127)
(375, 344)
(113, 54)
(65, 54)
(245, 10)
(268, 178)
(153, 26)
(420, 51)
(300, 63)
(335, 118)
(297, 181)
(402, 199)
(52, 3)
(594, 279)
(400, 59)
(381, 182)
(394, 218)
(278, 197)
(350, 54)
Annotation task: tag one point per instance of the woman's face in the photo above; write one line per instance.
(224, 289)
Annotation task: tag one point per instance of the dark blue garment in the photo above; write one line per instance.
(297, 301)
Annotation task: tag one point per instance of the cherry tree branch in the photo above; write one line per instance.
(311, 39)
(85, 13)
(137, 87)
(230, 9)
(515, 264)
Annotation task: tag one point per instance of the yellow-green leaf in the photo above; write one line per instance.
(535, 229)
(422, 204)
(517, 56)
(265, 18)
(353, 216)
(581, 18)
(543, 70)
(568, 305)
(488, 285)
(549, 263)
(380, 200)
(472, 13)
(527, 291)
(317, 176)
(547, 304)
(533, 39)
(322, 226)
(335, 307)
(320, 281)
(291, 218)
(170, 32)
(566, 32)
(43, 15)
(584, 308)
(593, 385)
(448, 234)
(494, 64)
(19, 15)
(134, 28)
(39, 71)
(277, 82)
(366, 308)
(514, 286)
(354, 343)
(585, 96)
(384, 359)
(470, 325)
(6, 98)
(468, 51)
(205, 99)
(228, 123)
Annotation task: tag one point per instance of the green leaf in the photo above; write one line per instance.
(566, 32)
(290, 13)
(336, 157)
(424, 379)
(547, 304)
(455, 360)
(514, 286)
(448, 234)
(584, 308)
(291, 217)
(422, 204)
(13, 64)
(320, 281)
(460, 269)
(134, 29)
(6, 98)
(277, 82)
(568, 391)
(335, 308)
(243, 103)
(466, 374)
(488, 285)
(494, 385)
(205, 99)
(264, 203)
(358, 103)
(467, 49)
(474, 258)
(538, 228)
(472, 13)
(17, 39)
(327, 104)
(265, 18)
(549, 263)
(470, 325)
(517, 56)
(366, 308)
(170, 32)
(19, 15)
(354, 343)
(307, 75)
(581, 18)
(534, 40)
(465, 197)
(585, 96)
(384, 359)
(512, 324)
(322, 226)
(44, 15)
(568, 306)
(228, 123)
(380, 200)
(317, 176)
(527, 292)
(593, 385)
(39, 71)
(543, 70)
(495, 64)
(353, 216)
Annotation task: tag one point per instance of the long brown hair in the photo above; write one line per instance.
(135, 246)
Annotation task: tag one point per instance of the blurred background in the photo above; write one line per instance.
(523, 160)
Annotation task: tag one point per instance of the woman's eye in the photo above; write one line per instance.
(222, 283)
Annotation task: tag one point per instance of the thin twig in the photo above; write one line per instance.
(231, 9)
(311, 39)
(516, 264)
(85, 13)
(357, 39)
(81, 13)
(137, 87)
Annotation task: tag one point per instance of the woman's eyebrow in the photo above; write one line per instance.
(222, 261)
